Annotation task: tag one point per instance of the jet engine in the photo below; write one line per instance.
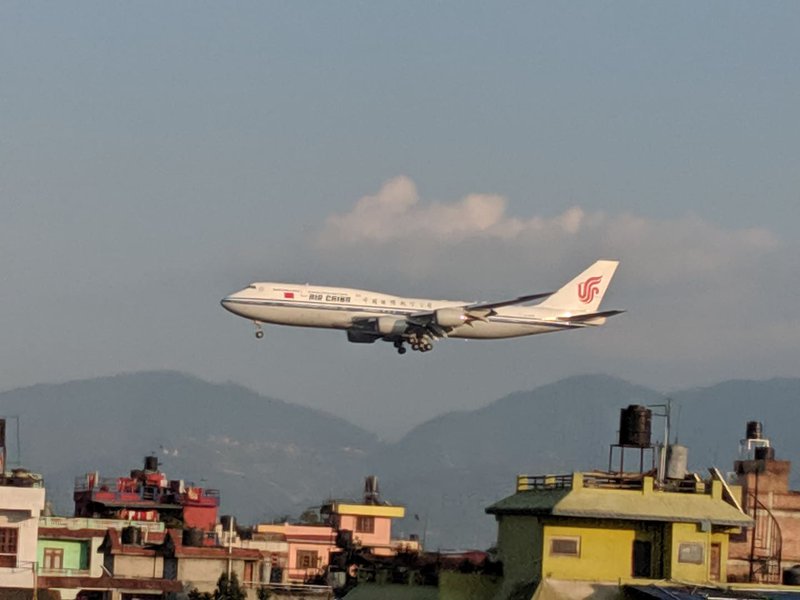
(450, 317)
(361, 337)
(390, 325)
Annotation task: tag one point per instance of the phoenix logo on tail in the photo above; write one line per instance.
(588, 289)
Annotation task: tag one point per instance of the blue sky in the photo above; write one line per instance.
(156, 156)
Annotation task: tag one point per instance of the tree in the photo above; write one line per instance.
(309, 517)
(229, 588)
(264, 593)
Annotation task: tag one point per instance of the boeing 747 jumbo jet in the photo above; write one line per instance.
(370, 316)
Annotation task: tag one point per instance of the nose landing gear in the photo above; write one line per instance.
(259, 331)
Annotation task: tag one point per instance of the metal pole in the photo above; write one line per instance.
(230, 547)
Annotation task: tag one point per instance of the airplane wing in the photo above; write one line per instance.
(519, 300)
(433, 322)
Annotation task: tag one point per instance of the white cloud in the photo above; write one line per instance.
(656, 250)
(396, 213)
(697, 291)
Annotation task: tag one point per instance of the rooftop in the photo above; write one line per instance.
(621, 496)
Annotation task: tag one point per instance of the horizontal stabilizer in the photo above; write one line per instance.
(591, 316)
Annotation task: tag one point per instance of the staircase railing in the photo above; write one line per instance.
(766, 543)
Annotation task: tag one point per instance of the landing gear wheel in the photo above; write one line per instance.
(259, 334)
(401, 350)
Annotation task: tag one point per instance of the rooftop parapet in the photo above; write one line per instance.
(85, 523)
(609, 481)
(21, 478)
(622, 496)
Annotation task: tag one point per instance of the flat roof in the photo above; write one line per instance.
(623, 504)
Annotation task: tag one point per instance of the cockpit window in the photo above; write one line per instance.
(251, 287)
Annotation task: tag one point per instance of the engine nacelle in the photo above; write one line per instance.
(450, 317)
(390, 325)
(361, 337)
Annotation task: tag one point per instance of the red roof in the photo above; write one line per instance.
(178, 549)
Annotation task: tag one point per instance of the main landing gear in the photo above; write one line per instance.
(259, 331)
(418, 344)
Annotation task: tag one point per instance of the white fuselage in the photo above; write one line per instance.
(339, 308)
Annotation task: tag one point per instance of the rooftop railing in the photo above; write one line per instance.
(147, 492)
(98, 524)
(543, 482)
(610, 481)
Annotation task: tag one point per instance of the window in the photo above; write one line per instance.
(691, 552)
(249, 570)
(365, 525)
(53, 558)
(565, 546)
(8, 546)
(307, 559)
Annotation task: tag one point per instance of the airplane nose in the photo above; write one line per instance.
(227, 303)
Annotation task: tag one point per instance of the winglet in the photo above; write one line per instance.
(584, 293)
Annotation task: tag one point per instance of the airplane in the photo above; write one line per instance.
(371, 316)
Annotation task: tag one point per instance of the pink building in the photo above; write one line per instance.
(366, 525)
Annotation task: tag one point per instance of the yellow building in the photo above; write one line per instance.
(614, 528)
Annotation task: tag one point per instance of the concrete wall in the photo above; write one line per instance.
(605, 553)
(700, 573)
(381, 536)
(138, 566)
(76, 553)
(519, 543)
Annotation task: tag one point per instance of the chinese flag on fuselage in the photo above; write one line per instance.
(288, 294)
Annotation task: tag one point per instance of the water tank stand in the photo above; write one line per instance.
(642, 450)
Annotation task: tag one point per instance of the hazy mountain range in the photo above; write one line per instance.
(270, 458)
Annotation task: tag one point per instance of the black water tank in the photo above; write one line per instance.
(765, 453)
(151, 463)
(228, 523)
(193, 537)
(132, 535)
(634, 426)
(753, 430)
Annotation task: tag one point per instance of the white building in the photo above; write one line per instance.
(21, 502)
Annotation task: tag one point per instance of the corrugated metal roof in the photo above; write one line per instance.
(529, 502)
(654, 506)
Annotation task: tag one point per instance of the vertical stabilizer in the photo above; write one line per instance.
(584, 293)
